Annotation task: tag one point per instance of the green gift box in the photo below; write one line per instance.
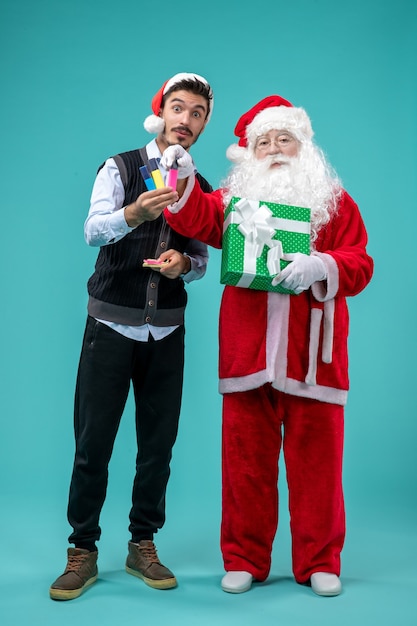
(257, 236)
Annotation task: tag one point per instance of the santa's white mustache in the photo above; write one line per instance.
(275, 158)
(266, 163)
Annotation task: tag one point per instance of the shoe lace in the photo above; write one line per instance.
(75, 561)
(150, 553)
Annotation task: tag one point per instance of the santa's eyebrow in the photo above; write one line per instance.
(279, 132)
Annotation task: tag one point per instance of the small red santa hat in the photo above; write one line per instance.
(154, 123)
(273, 112)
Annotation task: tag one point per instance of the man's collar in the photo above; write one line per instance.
(152, 150)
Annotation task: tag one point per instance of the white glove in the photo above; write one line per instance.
(301, 273)
(184, 161)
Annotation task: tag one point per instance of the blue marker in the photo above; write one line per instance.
(148, 180)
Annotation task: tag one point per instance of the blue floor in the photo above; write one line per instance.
(379, 577)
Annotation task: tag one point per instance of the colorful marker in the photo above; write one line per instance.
(172, 176)
(156, 173)
(148, 180)
(154, 263)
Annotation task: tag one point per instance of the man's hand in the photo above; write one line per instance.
(149, 206)
(181, 156)
(177, 264)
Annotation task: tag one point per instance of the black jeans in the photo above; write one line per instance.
(108, 363)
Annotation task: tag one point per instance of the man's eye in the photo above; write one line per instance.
(196, 114)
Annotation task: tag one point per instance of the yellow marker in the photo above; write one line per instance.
(156, 174)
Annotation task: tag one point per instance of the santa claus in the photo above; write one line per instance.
(283, 358)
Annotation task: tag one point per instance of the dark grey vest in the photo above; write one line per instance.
(120, 289)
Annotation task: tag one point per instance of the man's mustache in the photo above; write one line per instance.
(183, 129)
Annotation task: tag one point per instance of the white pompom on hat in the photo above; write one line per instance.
(154, 123)
(273, 112)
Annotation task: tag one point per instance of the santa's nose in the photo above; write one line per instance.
(274, 147)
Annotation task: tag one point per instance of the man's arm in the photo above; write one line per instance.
(106, 222)
(198, 255)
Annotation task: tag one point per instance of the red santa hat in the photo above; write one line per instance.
(154, 123)
(273, 112)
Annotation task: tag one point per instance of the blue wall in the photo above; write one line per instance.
(77, 81)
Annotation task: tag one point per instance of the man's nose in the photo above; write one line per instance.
(185, 118)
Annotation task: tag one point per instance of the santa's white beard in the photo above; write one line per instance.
(304, 181)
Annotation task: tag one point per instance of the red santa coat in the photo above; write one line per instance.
(298, 343)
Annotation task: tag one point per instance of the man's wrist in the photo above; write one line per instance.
(187, 264)
(132, 220)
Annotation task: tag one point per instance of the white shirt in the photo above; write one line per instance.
(106, 224)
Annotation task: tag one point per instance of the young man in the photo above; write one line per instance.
(134, 334)
(283, 357)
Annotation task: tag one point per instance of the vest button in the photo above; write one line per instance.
(151, 302)
(163, 244)
(148, 319)
(153, 285)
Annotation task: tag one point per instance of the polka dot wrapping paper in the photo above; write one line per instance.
(256, 237)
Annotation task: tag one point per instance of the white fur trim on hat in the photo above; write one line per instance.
(154, 124)
(293, 119)
(236, 153)
(191, 76)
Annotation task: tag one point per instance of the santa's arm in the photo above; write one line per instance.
(342, 247)
(197, 214)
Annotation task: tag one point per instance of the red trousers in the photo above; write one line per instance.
(255, 425)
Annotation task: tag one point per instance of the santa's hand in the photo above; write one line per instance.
(301, 273)
(184, 161)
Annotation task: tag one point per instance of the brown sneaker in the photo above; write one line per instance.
(80, 573)
(143, 562)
